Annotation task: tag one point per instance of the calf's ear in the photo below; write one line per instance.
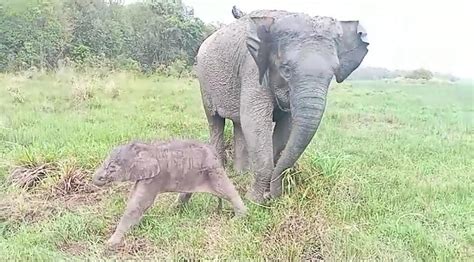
(144, 165)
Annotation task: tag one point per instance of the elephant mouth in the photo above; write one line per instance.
(282, 108)
(282, 103)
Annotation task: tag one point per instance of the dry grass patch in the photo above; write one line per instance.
(133, 248)
(216, 234)
(73, 188)
(112, 89)
(137, 246)
(297, 235)
(14, 88)
(82, 90)
(28, 177)
(74, 248)
(26, 208)
(74, 181)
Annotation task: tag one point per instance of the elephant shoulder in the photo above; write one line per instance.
(275, 13)
(204, 47)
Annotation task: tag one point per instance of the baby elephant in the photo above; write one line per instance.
(183, 166)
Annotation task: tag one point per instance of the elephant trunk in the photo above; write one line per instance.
(307, 102)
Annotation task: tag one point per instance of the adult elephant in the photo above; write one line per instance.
(273, 66)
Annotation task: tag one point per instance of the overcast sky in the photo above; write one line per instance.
(403, 34)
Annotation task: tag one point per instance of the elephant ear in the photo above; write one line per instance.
(144, 165)
(259, 43)
(351, 48)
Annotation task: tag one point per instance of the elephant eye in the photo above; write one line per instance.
(285, 71)
(112, 167)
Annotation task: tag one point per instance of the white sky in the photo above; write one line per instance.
(403, 34)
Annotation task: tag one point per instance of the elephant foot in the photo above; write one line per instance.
(275, 190)
(239, 214)
(113, 242)
(255, 197)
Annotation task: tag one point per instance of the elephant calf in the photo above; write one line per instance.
(183, 166)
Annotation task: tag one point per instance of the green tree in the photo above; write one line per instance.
(151, 34)
(420, 74)
(33, 36)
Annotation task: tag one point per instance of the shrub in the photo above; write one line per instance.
(420, 74)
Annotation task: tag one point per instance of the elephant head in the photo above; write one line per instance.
(303, 53)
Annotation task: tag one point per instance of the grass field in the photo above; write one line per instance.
(387, 177)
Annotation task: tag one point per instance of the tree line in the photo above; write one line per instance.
(145, 36)
(378, 73)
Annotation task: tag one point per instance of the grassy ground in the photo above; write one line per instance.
(388, 175)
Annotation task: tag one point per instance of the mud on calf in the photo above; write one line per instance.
(183, 166)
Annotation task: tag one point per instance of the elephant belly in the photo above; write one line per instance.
(223, 101)
(221, 92)
(219, 59)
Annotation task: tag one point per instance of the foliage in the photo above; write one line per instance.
(91, 33)
(420, 74)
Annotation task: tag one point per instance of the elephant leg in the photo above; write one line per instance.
(241, 158)
(256, 119)
(141, 198)
(281, 133)
(216, 130)
(183, 199)
(222, 187)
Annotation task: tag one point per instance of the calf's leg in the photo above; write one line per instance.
(183, 199)
(140, 200)
(222, 187)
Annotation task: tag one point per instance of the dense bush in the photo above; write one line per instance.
(420, 74)
(142, 36)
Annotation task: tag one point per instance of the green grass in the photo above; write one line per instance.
(387, 177)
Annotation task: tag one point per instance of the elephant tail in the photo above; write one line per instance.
(237, 13)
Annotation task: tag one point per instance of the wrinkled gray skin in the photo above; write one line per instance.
(184, 166)
(273, 66)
